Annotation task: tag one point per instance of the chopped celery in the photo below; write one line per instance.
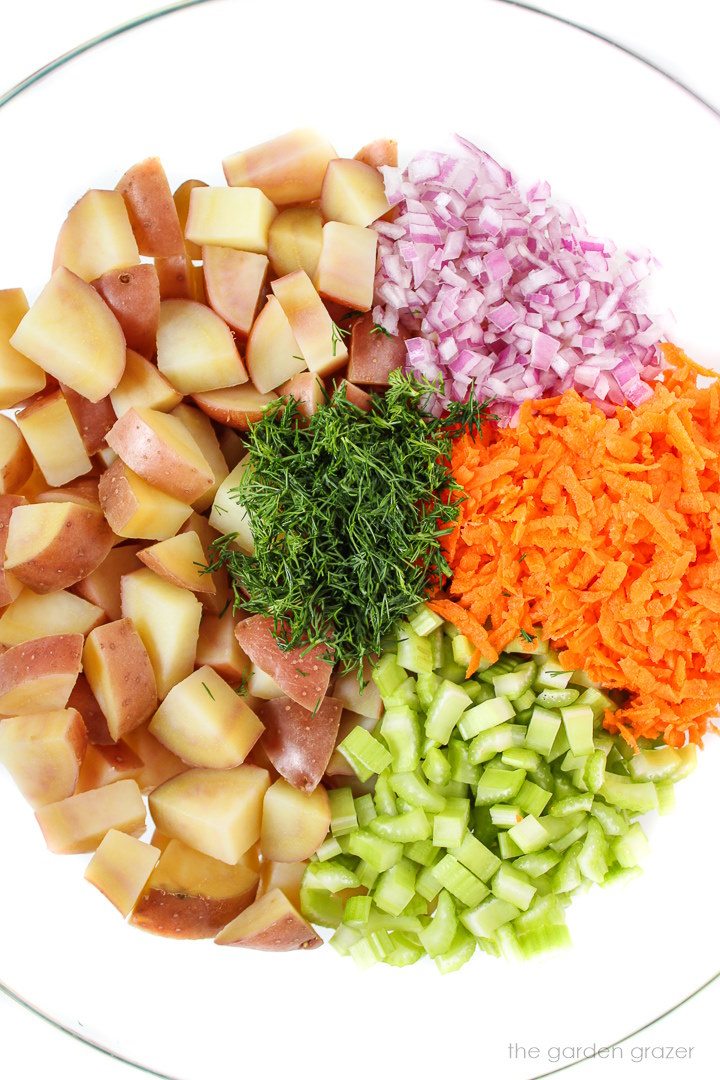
(631, 848)
(344, 938)
(438, 935)
(458, 880)
(597, 701)
(412, 788)
(542, 730)
(476, 691)
(622, 792)
(577, 833)
(537, 863)
(505, 815)
(613, 821)
(343, 818)
(567, 876)
(501, 666)
(621, 875)
(461, 770)
(388, 675)
(529, 835)
(514, 684)
(564, 788)
(462, 650)
(593, 856)
(450, 824)
(454, 789)
(498, 785)
(543, 939)
(531, 798)
(436, 766)
(368, 951)
(395, 888)
(414, 652)
(364, 810)
(461, 950)
(557, 698)
(423, 621)
(666, 798)
(551, 676)
(402, 828)
(437, 645)
(400, 728)
(357, 910)
(321, 907)
(558, 827)
(488, 743)
(560, 746)
(367, 875)
(364, 753)
(406, 694)
(578, 722)
(486, 715)
(489, 916)
(574, 804)
(519, 757)
(328, 849)
(446, 708)
(688, 761)
(476, 857)
(423, 852)
(427, 688)
(384, 798)
(507, 847)
(381, 854)
(544, 910)
(331, 876)
(427, 885)
(658, 765)
(542, 776)
(525, 702)
(406, 950)
(594, 772)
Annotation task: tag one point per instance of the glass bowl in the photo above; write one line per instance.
(616, 138)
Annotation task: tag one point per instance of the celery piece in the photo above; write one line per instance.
(379, 853)
(461, 770)
(507, 847)
(344, 938)
(560, 745)
(331, 876)
(437, 936)
(505, 815)
(388, 675)
(384, 796)
(462, 650)
(558, 827)
(621, 875)
(632, 848)
(396, 887)
(446, 708)
(427, 688)
(321, 907)
(423, 852)
(450, 669)
(657, 765)
(366, 953)
(414, 652)
(364, 809)
(622, 792)
(570, 764)
(594, 771)
(402, 828)
(514, 684)
(518, 757)
(488, 743)
(450, 824)
(461, 950)
(567, 876)
(406, 950)
(436, 766)
(531, 798)
(544, 910)
(484, 920)
(412, 788)
(498, 785)
(688, 761)
(501, 666)
(427, 885)
(542, 776)
(593, 857)
(613, 821)
(488, 714)
(400, 728)
(551, 676)
(563, 788)
(483, 827)
(666, 798)
(437, 648)
(576, 833)
(537, 863)
(459, 881)
(543, 939)
(597, 701)
(343, 818)
(357, 910)
(476, 691)
(423, 620)
(367, 875)
(557, 698)
(478, 859)
(364, 753)
(507, 942)
(578, 722)
(542, 730)
(405, 695)
(525, 702)
(328, 849)
(529, 835)
(454, 789)
(574, 804)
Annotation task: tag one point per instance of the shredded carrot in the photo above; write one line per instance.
(605, 531)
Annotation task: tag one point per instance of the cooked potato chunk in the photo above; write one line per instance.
(271, 924)
(43, 753)
(168, 621)
(79, 823)
(120, 868)
(118, 669)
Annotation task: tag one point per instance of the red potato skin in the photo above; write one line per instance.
(7, 505)
(104, 765)
(298, 744)
(186, 916)
(127, 659)
(83, 491)
(178, 279)
(133, 296)
(307, 389)
(379, 152)
(143, 451)
(222, 410)
(72, 555)
(355, 395)
(151, 209)
(84, 701)
(92, 419)
(103, 586)
(58, 654)
(304, 678)
(374, 355)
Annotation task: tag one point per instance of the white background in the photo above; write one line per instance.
(681, 38)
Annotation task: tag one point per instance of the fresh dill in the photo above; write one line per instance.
(527, 637)
(506, 593)
(224, 609)
(523, 557)
(338, 332)
(380, 330)
(347, 511)
(209, 691)
(351, 315)
(242, 687)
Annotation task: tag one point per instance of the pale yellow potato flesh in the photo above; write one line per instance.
(271, 924)
(353, 193)
(96, 236)
(120, 868)
(286, 876)
(234, 282)
(38, 676)
(136, 509)
(35, 615)
(230, 217)
(202, 431)
(273, 355)
(322, 348)
(142, 385)
(158, 763)
(117, 667)
(78, 824)
(294, 824)
(180, 560)
(20, 378)
(43, 753)
(168, 621)
(49, 430)
(289, 168)
(196, 349)
(346, 268)
(16, 461)
(102, 587)
(218, 647)
(295, 239)
(51, 545)
(227, 516)
(103, 765)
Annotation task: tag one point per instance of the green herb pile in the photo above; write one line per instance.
(347, 509)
